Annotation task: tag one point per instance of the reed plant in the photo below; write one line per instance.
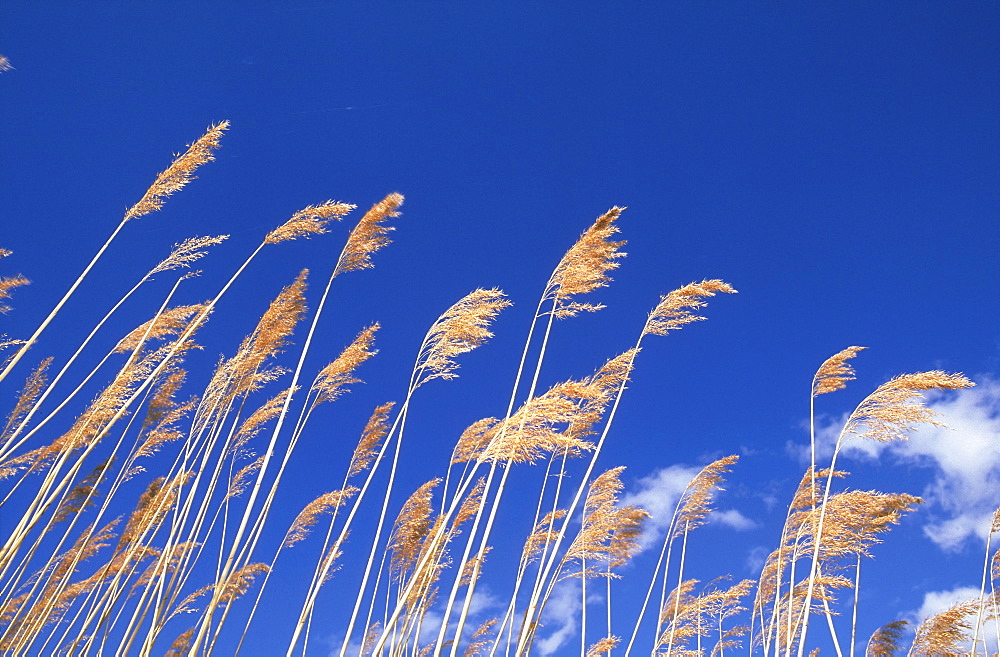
(188, 566)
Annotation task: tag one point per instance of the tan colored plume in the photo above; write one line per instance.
(179, 173)
(835, 372)
(310, 220)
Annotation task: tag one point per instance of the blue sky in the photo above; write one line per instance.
(836, 164)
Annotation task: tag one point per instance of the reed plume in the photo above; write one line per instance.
(8, 283)
(310, 220)
(608, 534)
(886, 640)
(371, 437)
(946, 632)
(332, 380)
(33, 387)
(309, 515)
(585, 266)
(369, 235)
(460, 329)
(696, 504)
(676, 308)
(184, 253)
(835, 372)
(896, 407)
(240, 582)
(603, 646)
(411, 528)
(179, 173)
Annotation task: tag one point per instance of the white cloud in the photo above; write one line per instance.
(658, 493)
(937, 601)
(756, 558)
(483, 602)
(966, 460)
(734, 519)
(563, 613)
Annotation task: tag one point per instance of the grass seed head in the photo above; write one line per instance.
(179, 173)
(585, 266)
(310, 220)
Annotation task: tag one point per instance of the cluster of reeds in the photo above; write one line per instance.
(187, 569)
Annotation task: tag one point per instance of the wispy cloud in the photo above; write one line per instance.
(733, 519)
(658, 493)
(562, 613)
(937, 601)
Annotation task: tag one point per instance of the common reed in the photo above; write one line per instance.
(148, 519)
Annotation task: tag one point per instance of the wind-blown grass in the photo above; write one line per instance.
(78, 575)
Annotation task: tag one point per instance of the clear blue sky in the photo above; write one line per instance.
(837, 164)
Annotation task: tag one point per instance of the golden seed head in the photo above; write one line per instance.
(835, 372)
(461, 328)
(369, 235)
(179, 173)
(585, 266)
(676, 308)
(310, 220)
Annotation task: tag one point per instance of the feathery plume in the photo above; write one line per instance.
(411, 526)
(256, 420)
(855, 519)
(310, 220)
(375, 430)
(688, 616)
(171, 322)
(154, 503)
(896, 406)
(679, 614)
(179, 173)
(544, 533)
(245, 371)
(605, 645)
(558, 420)
(186, 252)
(369, 235)
(185, 606)
(241, 581)
(699, 494)
(332, 380)
(608, 534)
(583, 268)
(371, 636)
(473, 440)
(33, 386)
(469, 504)
(5, 64)
(181, 644)
(835, 372)
(885, 641)
(473, 565)
(162, 403)
(478, 641)
(310, 514)
(460, 329)
(676, 308)
(8, 283)
(947, 632)
(82, 495)
(242, 478)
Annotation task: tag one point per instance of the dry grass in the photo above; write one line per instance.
(84, 569)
